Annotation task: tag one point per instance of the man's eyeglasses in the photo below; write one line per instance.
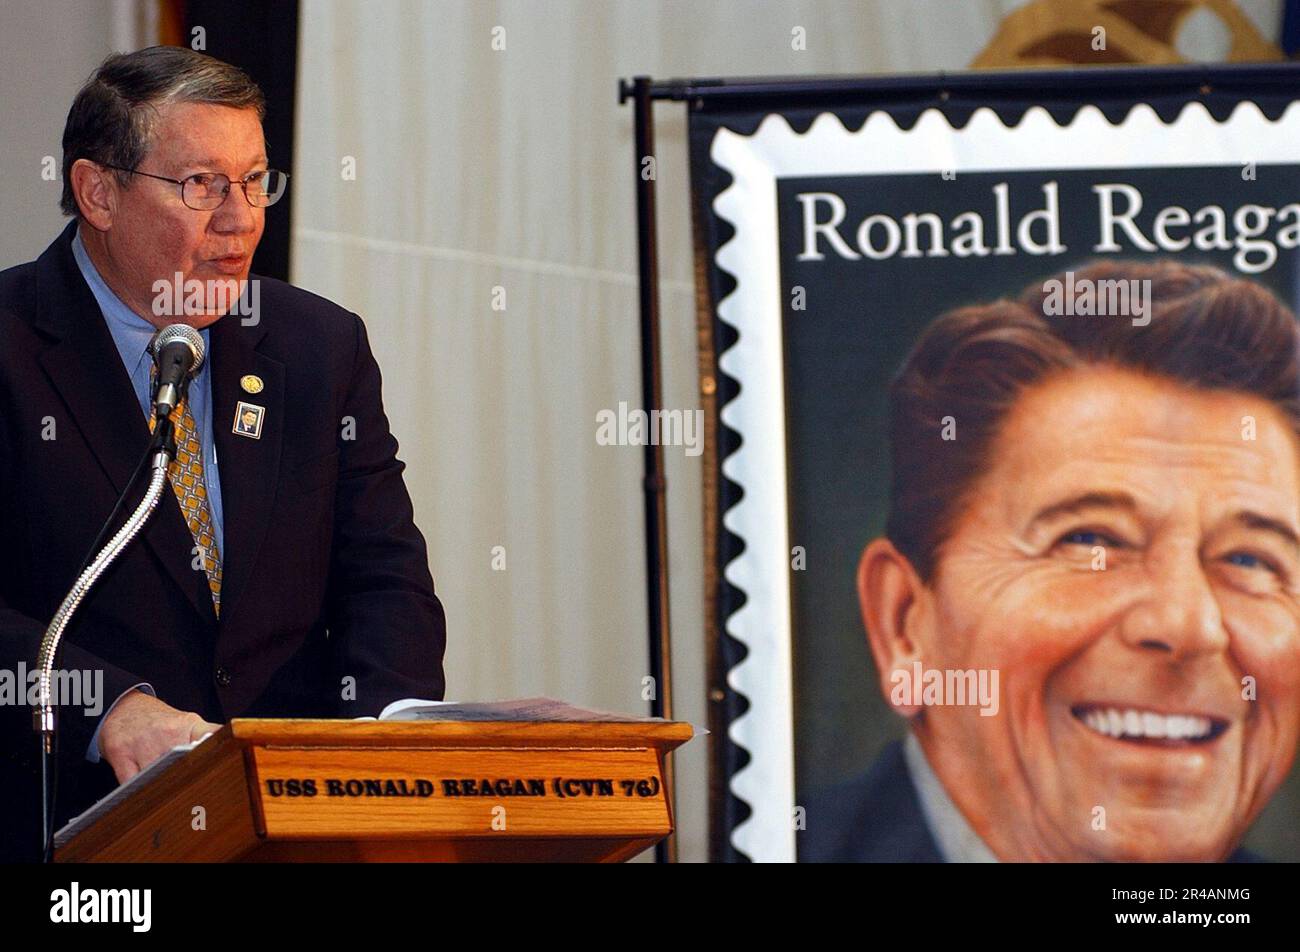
(204, 191)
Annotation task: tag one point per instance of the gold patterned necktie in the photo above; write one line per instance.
(185, 473)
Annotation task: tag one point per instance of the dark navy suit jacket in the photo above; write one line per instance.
(877, 818)
(873, 818)
(325, 576)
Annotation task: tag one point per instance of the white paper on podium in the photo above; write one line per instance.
(539, 709)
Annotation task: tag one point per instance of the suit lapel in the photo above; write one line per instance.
(86, 370)
(85, 367)
(250, 468)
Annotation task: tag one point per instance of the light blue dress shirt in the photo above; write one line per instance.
(132, 333)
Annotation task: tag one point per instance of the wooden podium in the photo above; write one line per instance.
(376, 791)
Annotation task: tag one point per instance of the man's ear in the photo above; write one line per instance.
(95, 193)
(894, 603)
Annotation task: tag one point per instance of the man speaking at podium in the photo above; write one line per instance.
(282, 575)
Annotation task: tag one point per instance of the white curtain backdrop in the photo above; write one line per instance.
(478, 169)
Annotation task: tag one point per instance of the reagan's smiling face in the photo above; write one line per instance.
(1129, 564)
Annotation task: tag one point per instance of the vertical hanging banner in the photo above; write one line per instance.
(1004, 490)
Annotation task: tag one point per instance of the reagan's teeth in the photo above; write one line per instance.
(1153, 725)
(1131, 723)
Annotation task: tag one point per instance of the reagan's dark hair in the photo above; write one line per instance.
(112, 118)
(1207, 330)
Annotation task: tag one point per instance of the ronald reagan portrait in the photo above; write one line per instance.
(1085, 604)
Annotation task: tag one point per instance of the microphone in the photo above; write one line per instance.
(177, 352)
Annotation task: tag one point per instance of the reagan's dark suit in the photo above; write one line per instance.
(876, 818)
(873, 818)
(325, 575)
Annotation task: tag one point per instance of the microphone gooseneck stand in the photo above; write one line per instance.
(162, 448)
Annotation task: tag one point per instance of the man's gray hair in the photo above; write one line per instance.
(111, 120)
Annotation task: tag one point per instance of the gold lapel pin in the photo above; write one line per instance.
(251, 383)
